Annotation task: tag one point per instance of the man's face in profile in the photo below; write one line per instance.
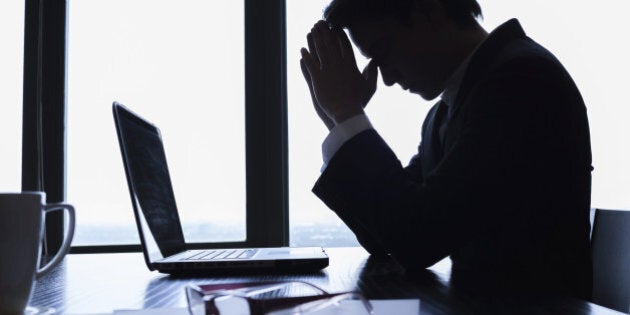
(407, 55)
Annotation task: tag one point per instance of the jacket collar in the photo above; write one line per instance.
(486, 55)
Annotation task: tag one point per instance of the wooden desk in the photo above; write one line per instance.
(101, 283)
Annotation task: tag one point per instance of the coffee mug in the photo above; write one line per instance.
(21, 231)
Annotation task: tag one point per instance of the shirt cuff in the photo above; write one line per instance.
(341, 133)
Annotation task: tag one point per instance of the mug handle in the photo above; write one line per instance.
(65, 247)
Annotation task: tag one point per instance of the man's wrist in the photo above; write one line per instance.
(342, 133)
(342, 116)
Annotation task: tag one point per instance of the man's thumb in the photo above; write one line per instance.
(370, 74)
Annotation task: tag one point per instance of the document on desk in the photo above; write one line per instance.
(380, 307)
(155, 311)
(398, 307)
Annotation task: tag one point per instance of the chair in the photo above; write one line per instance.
(610, 246)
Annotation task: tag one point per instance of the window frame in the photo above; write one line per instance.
(44, 121)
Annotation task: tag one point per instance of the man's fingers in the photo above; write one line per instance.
(305, 73)
(319, 42)
(320, 47)
(370, 74)
(307, 76)
(326, 44)
(320, 112)
(345, 45)
(308, 82)
(327, 35)
(312, 49)
(308, 61)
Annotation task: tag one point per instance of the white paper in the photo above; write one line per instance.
(154, 311)
(380, 307)
(398, 307)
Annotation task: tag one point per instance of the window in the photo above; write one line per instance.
(158, 63)
(11, 63)
(181, 67)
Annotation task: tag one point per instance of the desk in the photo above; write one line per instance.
(101, 283)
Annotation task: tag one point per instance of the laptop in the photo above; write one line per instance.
(158, 222)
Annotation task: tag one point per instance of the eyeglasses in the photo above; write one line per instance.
(272, 298)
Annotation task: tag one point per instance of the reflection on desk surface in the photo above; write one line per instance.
(380, 307)
(102, 283)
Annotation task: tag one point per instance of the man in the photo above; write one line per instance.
(501, 182)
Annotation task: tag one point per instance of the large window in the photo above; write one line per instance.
(180, 65)
(214, 80)
(11, 63)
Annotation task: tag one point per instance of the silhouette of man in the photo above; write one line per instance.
(501, 182)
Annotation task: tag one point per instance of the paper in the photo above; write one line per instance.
(398, 307)
(380, 307)
(154, 311)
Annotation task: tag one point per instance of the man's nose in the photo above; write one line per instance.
(390, 76)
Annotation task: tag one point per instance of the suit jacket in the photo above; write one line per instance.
(507, 196)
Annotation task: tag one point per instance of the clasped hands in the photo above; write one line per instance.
(338, 89)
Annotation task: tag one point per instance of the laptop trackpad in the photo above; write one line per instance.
(286, 253)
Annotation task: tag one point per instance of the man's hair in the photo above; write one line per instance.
(344, 13)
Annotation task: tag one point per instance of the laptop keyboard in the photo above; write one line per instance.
(219, 254)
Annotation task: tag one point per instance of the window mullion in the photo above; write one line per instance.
(44, 107)
(266, 123)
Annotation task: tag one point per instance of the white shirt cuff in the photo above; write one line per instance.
(341, 133)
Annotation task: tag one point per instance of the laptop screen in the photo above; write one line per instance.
(150, 185)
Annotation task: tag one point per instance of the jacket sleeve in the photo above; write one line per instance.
(387, 209)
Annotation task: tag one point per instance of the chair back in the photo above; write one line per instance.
(610, 245)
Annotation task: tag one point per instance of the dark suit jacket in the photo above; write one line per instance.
(508, 197)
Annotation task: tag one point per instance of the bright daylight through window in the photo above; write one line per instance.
(179, 65)
(161, 59)
(11, 63)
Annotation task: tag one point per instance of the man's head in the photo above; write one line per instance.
(416, 43)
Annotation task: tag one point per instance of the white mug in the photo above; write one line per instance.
(21, 230)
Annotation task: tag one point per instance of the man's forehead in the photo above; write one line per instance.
(360, 42)
(365, 35)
